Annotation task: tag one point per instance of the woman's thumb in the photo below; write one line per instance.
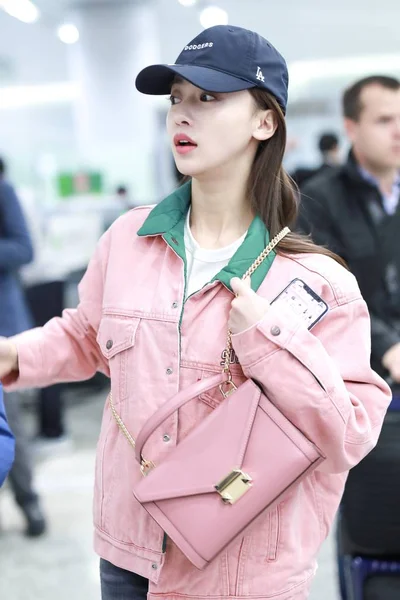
(241, 287)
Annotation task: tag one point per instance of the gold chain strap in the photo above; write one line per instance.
(268, 249)
(147, 465)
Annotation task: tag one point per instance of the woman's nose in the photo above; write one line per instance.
(182, 117)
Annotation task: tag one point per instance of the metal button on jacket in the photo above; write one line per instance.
(175, 305)
(166, 438)
(275, 330)
(169, 371)
(109, 344)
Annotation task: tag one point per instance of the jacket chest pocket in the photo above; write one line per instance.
(116, 337)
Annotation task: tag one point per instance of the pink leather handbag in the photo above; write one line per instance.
(239, 462)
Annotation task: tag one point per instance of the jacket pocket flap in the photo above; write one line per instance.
(208, 454)
(116, 334)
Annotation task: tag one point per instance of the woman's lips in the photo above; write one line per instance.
(185, 149)
(184, 144)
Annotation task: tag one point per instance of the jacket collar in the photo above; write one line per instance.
(168, 218)
(351, 169)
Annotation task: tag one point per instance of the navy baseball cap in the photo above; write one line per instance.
(222, 59)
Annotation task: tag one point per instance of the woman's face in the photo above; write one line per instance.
(212, 130)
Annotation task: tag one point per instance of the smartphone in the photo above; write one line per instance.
(303, 301)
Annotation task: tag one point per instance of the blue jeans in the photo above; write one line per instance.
(118, 584)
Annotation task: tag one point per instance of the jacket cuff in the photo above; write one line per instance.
(30, 361)
(270, 334)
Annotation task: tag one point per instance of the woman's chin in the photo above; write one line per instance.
(188, 170)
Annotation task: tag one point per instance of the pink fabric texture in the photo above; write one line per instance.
(129, 325)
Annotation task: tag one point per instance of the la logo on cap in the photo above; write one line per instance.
(260, 75)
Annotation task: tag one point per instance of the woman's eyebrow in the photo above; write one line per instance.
(177, 81)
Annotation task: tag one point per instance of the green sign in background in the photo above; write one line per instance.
(78, 184)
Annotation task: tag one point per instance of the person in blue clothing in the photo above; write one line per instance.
(6, 442)
(15, 251)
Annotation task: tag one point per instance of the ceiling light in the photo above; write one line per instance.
(187, 2)
(213, 15)
(68, 33)
(24, 10)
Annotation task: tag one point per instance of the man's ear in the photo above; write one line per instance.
(350, 127)
(265, 125)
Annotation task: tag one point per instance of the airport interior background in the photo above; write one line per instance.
(81, 146)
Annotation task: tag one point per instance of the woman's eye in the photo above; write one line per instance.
(206, 98)
(174, 100)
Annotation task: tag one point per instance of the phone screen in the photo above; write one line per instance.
(303, 301)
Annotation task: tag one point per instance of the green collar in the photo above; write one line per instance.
(168, 219)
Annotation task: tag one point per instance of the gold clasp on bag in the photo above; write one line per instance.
(234, 486)
(227, 388)
(146, 466)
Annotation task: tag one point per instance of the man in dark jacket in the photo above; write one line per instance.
(355, 210)
(15, 251)
(6, 442)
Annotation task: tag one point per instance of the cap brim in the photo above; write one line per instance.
(157, 79)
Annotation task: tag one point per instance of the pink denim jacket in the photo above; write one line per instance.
(132, 324)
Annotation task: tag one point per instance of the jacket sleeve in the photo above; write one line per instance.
(65, 349)
(6, 443)
(321, 382)
(15, 242)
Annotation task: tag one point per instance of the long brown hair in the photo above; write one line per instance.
(273, 194)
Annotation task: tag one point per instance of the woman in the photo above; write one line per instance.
(154, 307)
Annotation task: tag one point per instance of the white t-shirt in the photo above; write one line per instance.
(202, 264)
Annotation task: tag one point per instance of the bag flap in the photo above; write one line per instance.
(208, 454)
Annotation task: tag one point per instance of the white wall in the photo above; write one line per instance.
(34, 52)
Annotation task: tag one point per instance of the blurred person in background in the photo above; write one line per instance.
(329, 147)
(45, 280)
(122, 194)
(46, 300)
(155, 303)
(6, 442)
(121, 203)
(15, 251)
(354, 210)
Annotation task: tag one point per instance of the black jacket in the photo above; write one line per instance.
(344, 212)
(303, 174)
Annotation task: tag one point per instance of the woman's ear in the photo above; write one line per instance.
(265, 125)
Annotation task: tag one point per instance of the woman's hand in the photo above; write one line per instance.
(391, 362)
(8, 358)
(247, 307)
